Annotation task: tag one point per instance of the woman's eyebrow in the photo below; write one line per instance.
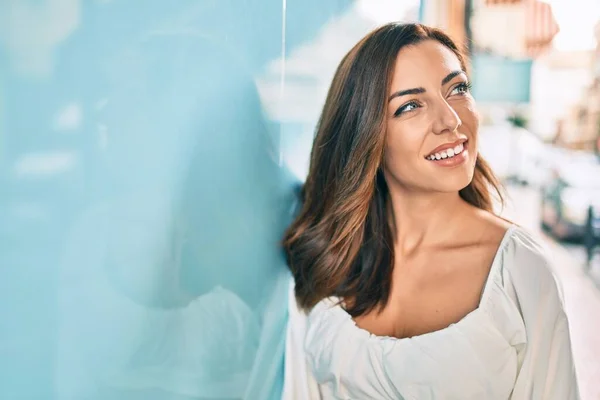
(407, 91)
(419, 90)
(451, 75)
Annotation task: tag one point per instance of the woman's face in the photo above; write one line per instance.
(431, 137)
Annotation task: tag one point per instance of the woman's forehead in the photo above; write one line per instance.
(426, 59)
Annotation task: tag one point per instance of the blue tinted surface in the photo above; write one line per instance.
(143, 192)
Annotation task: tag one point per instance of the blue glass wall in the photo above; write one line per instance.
(143, 193)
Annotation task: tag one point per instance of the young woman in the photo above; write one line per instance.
(412, 287)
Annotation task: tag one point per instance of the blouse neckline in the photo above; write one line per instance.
(482, 301)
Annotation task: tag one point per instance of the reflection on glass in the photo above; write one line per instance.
(171, 279)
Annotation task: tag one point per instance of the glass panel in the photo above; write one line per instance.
(143, 196)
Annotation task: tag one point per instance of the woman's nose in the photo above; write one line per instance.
(446, 119)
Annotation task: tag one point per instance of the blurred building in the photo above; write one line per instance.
(580, 129)
(448, 15)
(558, 81)
(513, 28)
(509, 37)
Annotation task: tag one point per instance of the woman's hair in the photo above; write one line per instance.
(340, 244)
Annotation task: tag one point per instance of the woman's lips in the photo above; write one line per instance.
(451, 156)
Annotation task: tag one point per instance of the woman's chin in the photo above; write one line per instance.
(454, 182)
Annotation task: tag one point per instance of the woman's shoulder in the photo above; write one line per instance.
(529, 268)
(525, 253)
(519, 251)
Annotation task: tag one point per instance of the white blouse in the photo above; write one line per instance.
(515, 345)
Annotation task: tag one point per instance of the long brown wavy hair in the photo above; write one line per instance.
(340, 244)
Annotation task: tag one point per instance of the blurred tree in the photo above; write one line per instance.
(518, 120)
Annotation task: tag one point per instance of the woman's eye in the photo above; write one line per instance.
(406, 108)
(461, 88)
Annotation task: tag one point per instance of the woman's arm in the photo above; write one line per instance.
(547, 370)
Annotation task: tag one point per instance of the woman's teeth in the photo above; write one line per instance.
(448, 153)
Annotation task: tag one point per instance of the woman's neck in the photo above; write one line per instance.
(424, 219)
